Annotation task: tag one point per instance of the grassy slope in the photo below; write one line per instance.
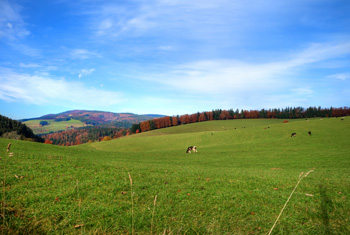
(53, 126)
(237, 183)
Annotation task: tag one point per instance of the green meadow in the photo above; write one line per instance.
(237, 183)
(53, 126)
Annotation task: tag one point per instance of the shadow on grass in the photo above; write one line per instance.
(326, 208)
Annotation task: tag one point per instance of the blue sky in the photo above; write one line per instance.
(172, 57)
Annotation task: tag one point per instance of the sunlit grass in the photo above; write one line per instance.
(53, 126)
(237, 183)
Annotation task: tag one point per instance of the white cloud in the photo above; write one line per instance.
(26, 50)
(31, 65)
(302, 91)
(12, 26)
(317, 52)
(83, 54)
(165, 48)
(190, 19)
(46, 90)
(340, 76)
(217, 76)
(85, 72)
(160, 17)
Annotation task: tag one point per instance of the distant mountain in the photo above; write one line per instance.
(99, 118)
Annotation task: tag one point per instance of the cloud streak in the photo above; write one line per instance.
(340, 76)
(39, 90)
(83, 54)
(217, 76)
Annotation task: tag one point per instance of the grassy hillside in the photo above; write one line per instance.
(237, 183)
(53, 126)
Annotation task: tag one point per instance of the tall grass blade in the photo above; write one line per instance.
(154, 207)
(301, 176)
(132, 206)
(4, 188)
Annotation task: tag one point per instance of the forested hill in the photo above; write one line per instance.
(100, 117)
(12, 129)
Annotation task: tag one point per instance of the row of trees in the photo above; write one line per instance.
(101, 133)
(84, 135)
(219, 114)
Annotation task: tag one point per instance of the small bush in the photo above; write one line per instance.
(44, 123)
(106, 138)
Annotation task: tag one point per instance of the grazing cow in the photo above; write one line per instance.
(309, 132)
(191, 148)
(293, 134)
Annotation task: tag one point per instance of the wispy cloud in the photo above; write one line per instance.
(85, 72)
(302, 91)
(317, 52)
(47, 90)
(158, 17)
(31, 65)
(184, 19)
(340, 76)
(25, 49)
(165, 48)
(12, 26)
(83, 54)
(217, 76)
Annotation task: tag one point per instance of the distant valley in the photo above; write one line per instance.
(82, 118)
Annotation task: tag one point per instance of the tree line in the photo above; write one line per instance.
(15, 130)
(12, 129)
(219, 114)
(84, 135)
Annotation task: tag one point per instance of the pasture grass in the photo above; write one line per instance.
(53, 126)
(237, 183)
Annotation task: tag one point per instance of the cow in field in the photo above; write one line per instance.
(309, 132)
(293, 134)
(191, 148)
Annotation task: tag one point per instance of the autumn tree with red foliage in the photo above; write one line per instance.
(185, 119)
(193, 118)
(340, 112)
(48, 141)
(271, 114)
(209, 116)
(251, 114)
(224, 115)
(145, 126)
(167, 121)
(202, 117)
(175, 121)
